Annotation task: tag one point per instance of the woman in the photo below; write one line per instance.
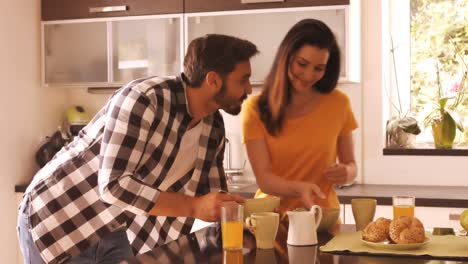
(298, 131)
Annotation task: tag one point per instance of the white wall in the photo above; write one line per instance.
(28, 112)
(92, 102)
(379, 169)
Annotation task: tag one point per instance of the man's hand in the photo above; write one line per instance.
(208, 206)
(337, 174)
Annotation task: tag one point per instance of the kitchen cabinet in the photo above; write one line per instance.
(73, 9)
(148, 37)
(110, 52)
(430, 216)
(75, 52)
(145, 47)
(229, 5)
(266, 24)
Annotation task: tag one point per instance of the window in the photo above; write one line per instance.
(427, 49)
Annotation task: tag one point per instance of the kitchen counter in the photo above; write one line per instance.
(204, 246)
(431, 196)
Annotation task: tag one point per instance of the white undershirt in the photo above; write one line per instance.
(185, 158)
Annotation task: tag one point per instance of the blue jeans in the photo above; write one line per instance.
(113, 248)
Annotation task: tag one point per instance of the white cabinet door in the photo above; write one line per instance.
(111, 51)
(438, 217)
(75, 53)
(266, 28)
(146, 47)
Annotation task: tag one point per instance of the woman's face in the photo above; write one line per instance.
(307, 67)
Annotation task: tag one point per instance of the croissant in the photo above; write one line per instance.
(376, 231)
(406, 230)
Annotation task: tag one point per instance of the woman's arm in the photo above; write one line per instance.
(272, 184)
(345, 171)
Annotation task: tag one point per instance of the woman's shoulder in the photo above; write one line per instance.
(251, 103)
(338, 96)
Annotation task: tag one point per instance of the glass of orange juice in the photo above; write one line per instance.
(232, 225)
(233, 257)
(403, 205)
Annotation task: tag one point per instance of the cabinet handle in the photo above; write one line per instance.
(105, 9)
(259, 1)
(454, 216)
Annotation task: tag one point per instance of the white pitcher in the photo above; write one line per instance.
(303, 226)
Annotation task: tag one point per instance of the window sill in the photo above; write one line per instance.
(426, 149)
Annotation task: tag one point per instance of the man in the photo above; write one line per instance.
(147, 164)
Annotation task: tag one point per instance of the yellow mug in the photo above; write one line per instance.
(265, 226)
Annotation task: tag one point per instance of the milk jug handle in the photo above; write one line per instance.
(317, 211)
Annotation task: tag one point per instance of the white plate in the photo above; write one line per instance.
(388, 245)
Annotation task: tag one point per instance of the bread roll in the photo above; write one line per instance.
(376, 231)
(407, 230)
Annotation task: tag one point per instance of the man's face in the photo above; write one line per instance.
(235, 88)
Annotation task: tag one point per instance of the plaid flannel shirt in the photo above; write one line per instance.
(110, 174)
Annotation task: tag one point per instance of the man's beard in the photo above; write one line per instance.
(228, 104)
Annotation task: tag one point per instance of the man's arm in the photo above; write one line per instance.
(206, 207)
(130, 115)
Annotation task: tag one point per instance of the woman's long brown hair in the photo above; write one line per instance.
(276, 94)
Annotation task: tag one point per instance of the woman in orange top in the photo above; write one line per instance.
(298, 131)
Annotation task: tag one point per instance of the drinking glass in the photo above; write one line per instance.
(363, 211)
(403, 205)
(232, 226)
(233, 257)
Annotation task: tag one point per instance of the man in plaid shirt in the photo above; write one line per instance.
(147, 164)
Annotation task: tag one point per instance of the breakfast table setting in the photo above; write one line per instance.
(251, 233)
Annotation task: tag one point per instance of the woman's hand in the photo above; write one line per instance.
(308, 192)
(338, 174)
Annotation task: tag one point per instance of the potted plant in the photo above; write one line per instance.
(401, 130)
(445, 117)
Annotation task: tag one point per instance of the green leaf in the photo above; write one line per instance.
(457, 118)
(443, 102)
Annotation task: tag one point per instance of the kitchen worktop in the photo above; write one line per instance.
(431, 196)
(205, 246)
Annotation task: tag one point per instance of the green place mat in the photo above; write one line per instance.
(439, 246)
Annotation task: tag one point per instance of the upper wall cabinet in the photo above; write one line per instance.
(75, 9)
(192, 6)
(99, 52)
(110, 42)
(265, 23)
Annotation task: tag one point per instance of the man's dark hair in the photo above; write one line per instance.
(214, 52)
